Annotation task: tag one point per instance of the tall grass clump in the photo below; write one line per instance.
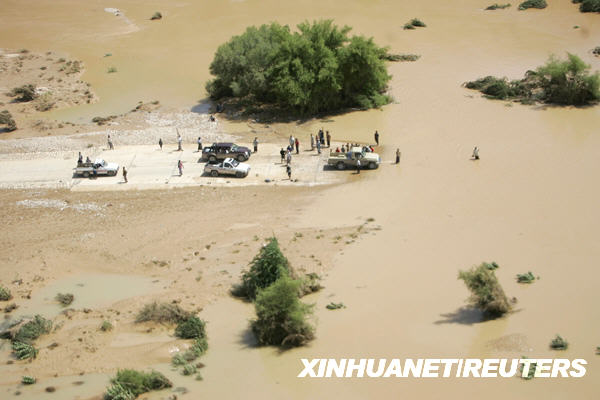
(281, 316)
(486, 292)
(265, 268)
(319, 68)
(588, 5)
(164, 313)
(129, 383)
(540, 4)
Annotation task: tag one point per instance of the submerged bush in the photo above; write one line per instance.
(156, 15)
(317, 69)
(106, 326)
(128, 384)
(400, 57)
(7, 119)
(486, 292)
(33, 329)
(558, 343)
(567, 82)
(24, 351)
(588, 5)
(525, 278)
(417, 22)
(267, 266)
(497, 6)
(191, 328)
(281, 316)
(28, 380)
(164, 313)
(533, 4)
(65, 298)
(5, 294)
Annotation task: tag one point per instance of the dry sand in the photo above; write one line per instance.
(528, 204)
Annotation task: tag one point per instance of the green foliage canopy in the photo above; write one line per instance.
(318, 69)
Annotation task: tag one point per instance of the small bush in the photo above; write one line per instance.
(178, 360)
(588, 5)
(487, 294)
(156, 15)
(281, 317)
(408, 25)
(111, 70)
(33, 329)
(5, 294)
(106, 326)
(558, 343)
(130, 383)
(335, 306)
(417, 22)
(540, 4)
(44, 102)
(400, 57)
(310, 283)
(7, 119)
(24, 351)
(497, 6)
(189, 369)
(191, 328)
(23, 93)
(525, 278)
(164, 313)
(65, 299)
(28, 380)
(267, 266)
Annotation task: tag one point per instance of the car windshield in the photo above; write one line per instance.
(234, 147)
(235, 163)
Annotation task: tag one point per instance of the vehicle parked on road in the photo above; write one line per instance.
(221, 151)
(229, 166)
(98, 167)
(342, 161)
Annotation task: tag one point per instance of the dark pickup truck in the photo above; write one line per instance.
(221, 151)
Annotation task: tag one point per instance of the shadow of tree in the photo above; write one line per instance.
(463, 316)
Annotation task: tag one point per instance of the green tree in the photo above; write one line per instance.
(486, 292)
(281, 316)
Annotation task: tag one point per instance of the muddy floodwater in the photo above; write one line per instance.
(530, 203)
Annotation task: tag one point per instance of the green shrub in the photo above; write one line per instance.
(533, 4)
(24, 351)
(189, 369)
(191, 328)
(417, 22)
(588, 5)
(33, 329)
(129, 382)
(7, 119)
(5, 294)
(65, 299)
(487, 294)
(24, 93)
(106, 326)
(408, 25)
(178, 360)
(318, 69)
(310, 283)
(525, 278)
(335, 306)
(164, 313)
(156, 15)
(281, 317)
(28, 380)
(265, 268)
(497, 6)
(558, 343)
(400, 57)
(44, 102)
(111, 70)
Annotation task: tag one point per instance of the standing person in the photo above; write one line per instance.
(288, 157)
(321, 136)
(475, 153)
(180, 167)
(297, 143)
(179, 140)
(358, 166)
(160, 143)
(110, 143)
(319, 146)
(288, 170)
(255, 143)
(282, 154)
(398, 156)
(80, 159)
(312, 142)
(292, 142)
(376, 138)
(199, 144)
(125, 174)
(328, 136)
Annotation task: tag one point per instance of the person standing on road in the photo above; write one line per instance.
(255, 143)
(179, 141)
(319, 146)
(282, 154)
(180, 167)
(398, 156)
(358, 166)
(288, 157)
(79, 159)
(292, 141)
(125, 174)
(297, 143)
(376, 138)
(160, 143)
(475, 155)
(110, 143)
(312, 142)
(288, 170)
(199, 144)
(328, 136)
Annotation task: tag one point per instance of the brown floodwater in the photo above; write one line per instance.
(530, 203)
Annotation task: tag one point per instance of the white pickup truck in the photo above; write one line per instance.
(98, 167)
(229, 166)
